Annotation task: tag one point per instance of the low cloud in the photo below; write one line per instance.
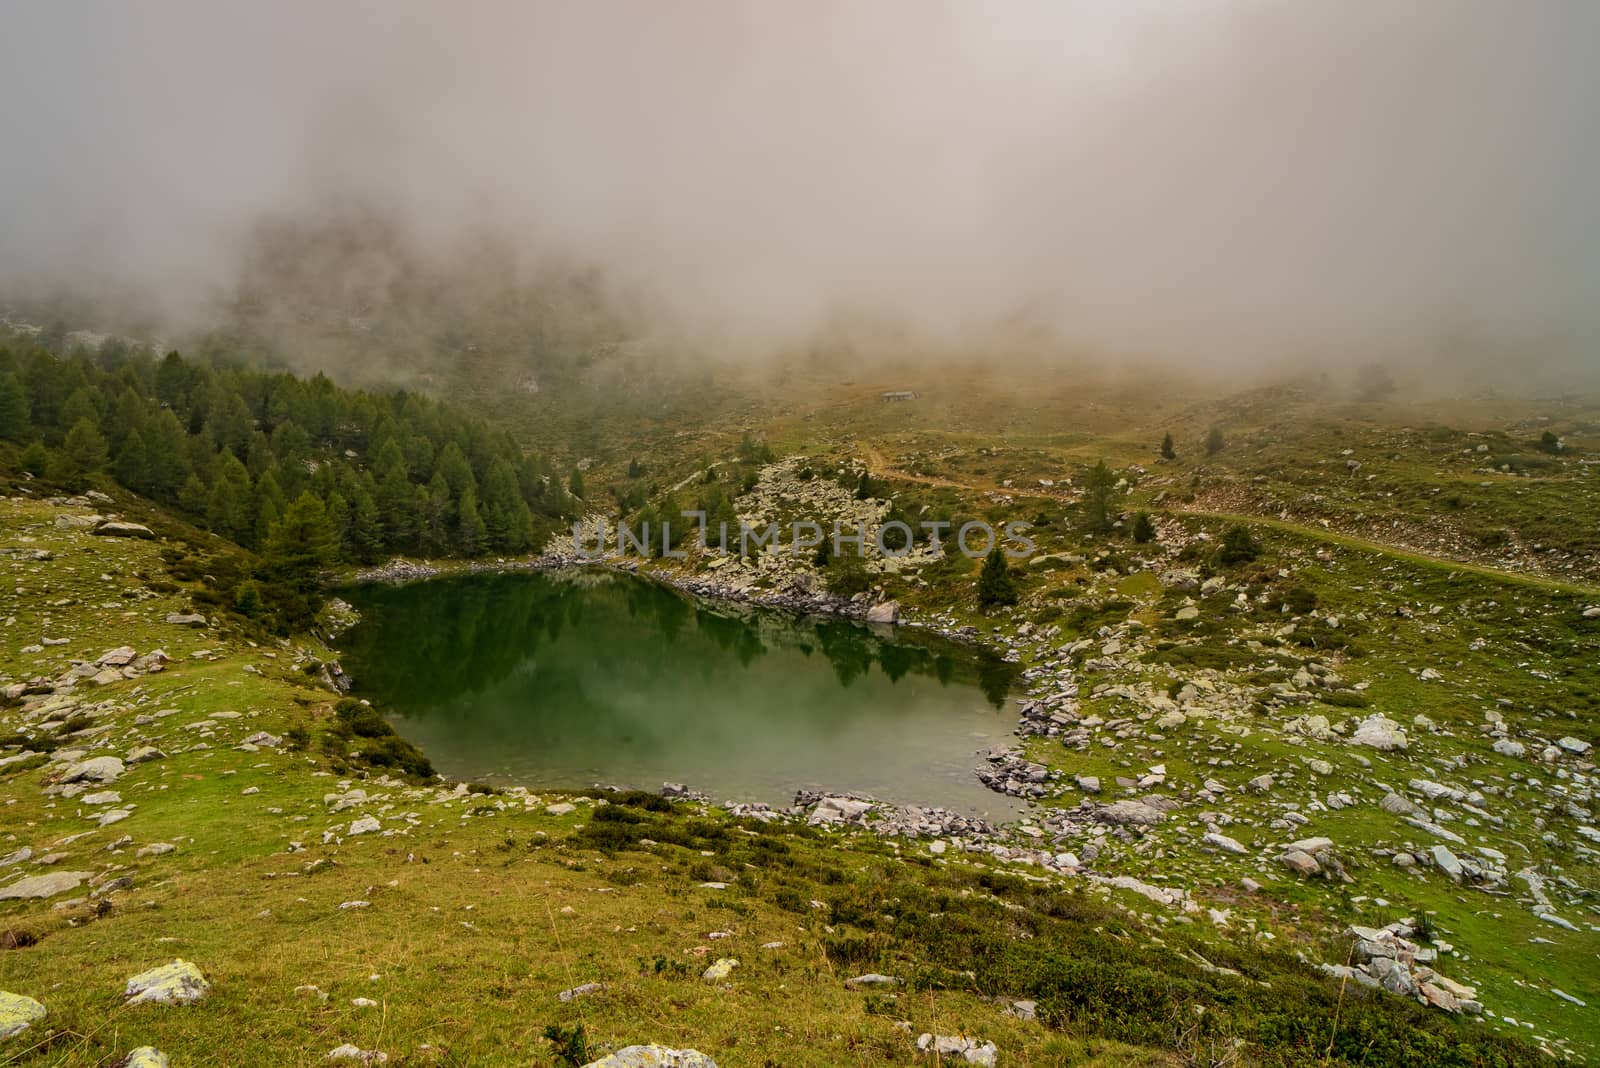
(1210, 182)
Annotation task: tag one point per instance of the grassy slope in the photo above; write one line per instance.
(481, 908)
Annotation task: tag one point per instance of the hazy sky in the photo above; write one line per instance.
(1196, 177)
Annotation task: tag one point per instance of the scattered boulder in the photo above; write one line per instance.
(1575, 746)
(143, 754)
(113, 528)
(1300, 863)
(872, 979)
(146, 1057)
(186, 619)
(887, 612)
(1400, 806)
(18, 1013)
(178, 983)
(833, 808)
(580, 990)
(349, 1052)
(959, 1049)
(1224, 843)
(1130, 814)
(1381, 733)
(1507, 747)
(653, 1056)
(95, 769)
(40, 886)
(365, 825)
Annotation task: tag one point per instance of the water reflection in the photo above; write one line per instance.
(577, 677)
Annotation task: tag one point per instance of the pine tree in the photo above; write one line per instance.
(1238, 547)
(456, 470)
(365, 543)
(169, 461)
(35, 458)
(83, 454)
(193, 496)
(1100, 498)
(78, 407)
(996, 585)
(299, 547)
(339, 515)
(270, 502)
(16, 422)
(395, 507)
(133, 463)
(575, 484)
(1168, 452)
(864, 487)
(505, 514)
(469, 524)
(1215, 442)
(436, 520)
(1144, 531)
(228, 508)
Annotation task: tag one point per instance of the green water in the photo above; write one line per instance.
(578, 678)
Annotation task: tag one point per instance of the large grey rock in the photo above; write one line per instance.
(1392, 976)
(887, 612)
(186, 619)
(95, 769)
(835, 809)
(1300, 863)
(18, 1013)
(1130, 814)
(1507, 747)
(1575, 746)
(38, 886)
(178, 983)
(365, 825)
(118, 657)
(1224, 843)
(1381, 733)
(654, 1056)
(141, 754)
(1447, 862)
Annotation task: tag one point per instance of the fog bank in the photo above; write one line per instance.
(1223, 182)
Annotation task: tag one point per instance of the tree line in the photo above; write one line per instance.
(265, 459)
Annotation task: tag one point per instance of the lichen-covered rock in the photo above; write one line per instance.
(720, 970)
(349, 1052)
(18, 1013)
(146, 1057)
(178, 983)
(654, 1056)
